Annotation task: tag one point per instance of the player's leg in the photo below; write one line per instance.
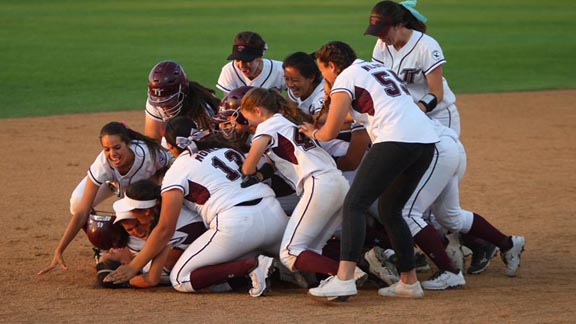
(390, 171)
(76, 197)
(312, 223)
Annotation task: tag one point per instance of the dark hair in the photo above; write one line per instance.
(146, 190)
(274, 102)
(398, 14)
(143, 190)
(339, 53)
(183, 127)
(128, 135)
(305, 64)
(198, 102)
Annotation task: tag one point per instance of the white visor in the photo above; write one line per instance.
(123, 216)
(123, 207)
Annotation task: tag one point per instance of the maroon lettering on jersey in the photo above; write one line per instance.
(285, 150)
(363, 102)
(198, 193)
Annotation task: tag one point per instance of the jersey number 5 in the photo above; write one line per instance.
(391, 83)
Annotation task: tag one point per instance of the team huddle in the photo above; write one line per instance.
(323, 170)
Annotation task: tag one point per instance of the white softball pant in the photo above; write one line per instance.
(438, 189)
(239, 232)
(448, 117)
(316, 217)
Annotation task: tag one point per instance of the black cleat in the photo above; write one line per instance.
(481, 258)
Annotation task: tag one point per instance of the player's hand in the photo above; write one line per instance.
(57, 260)
(123, 274)
(307, 129)
(250, 179)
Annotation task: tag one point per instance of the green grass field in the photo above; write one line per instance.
(64, 56)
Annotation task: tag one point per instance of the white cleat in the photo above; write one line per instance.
(333, 288)
(444, 280)
(512, 257)
(403, 290)
(260, 277)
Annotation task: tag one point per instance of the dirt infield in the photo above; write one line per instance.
(521, 154)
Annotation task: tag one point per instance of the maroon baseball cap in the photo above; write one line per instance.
(247, 47)
(378, 25)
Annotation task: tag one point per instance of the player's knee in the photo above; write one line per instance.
(452, 224)
(287, 259)
(467, 220)
(185, 287)
(179, 285)
(415, 225)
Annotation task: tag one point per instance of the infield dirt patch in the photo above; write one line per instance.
(521, 156)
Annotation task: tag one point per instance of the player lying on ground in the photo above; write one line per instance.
(138, 213)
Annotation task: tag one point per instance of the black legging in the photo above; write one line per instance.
(389, 172)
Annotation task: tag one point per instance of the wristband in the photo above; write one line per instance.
(429, 101)
(249, 180)
(267, 170)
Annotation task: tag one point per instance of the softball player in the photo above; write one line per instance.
(304, 82)
(138, 212)
(439, 189)
(401, 151)
(171, 94)
(309, 170)
(248, 67)
(306, 88)
(416, 58)
(242, 222)
(127, 156)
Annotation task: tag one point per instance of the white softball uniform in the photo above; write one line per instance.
(101, 171)
(336, 147)
(272, 76)
(241, 222)
(313, 174)
(421, 55)
(438, 188)
(313, 104)
(383, 105)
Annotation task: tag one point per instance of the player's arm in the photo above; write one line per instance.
(172, 201)
(339, 106)
(358, 145)
(255, 154)
(435, 87)
(153, 128)
(152, 278)
(78, 220)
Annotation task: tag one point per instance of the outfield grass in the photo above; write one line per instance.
(63, 56)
